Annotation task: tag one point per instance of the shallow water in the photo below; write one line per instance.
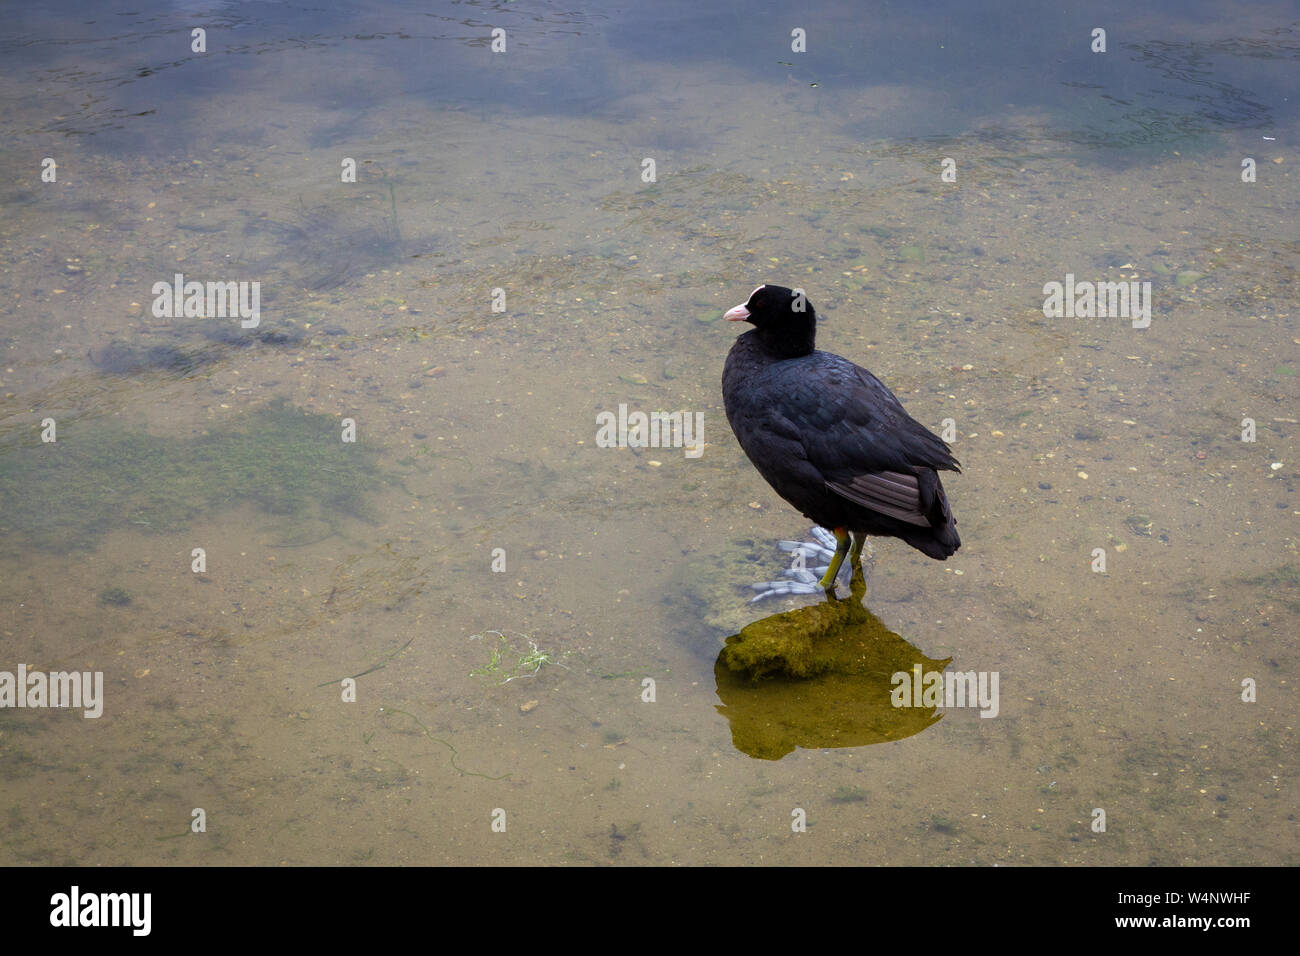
(476, 430)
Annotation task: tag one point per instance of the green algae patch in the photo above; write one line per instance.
(1281, 584)
(99, 477)
(818, 677)
(801, 643)
(118, 597)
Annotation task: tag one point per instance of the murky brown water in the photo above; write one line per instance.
(1119, 691)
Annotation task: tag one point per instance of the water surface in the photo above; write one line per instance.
(523, 171)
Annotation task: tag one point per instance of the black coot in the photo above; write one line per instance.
(829, 437)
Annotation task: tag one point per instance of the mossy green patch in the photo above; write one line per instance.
(817, 677)
(849, 795)
(1282, 584)
(941, 824)
(1283, 576)
(115, 596)
(100, 476)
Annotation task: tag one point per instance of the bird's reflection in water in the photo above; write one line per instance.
(818, 677)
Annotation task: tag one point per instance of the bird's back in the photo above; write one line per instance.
(832, 440)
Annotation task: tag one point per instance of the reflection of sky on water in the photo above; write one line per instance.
(898, 72)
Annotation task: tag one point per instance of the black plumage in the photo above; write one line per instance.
(828, 436)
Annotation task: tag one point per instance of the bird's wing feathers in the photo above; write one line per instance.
(889, 492)
(850, 423)
(851, 429)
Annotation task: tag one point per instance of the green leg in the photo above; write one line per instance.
(856, 553)
(841, 549)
